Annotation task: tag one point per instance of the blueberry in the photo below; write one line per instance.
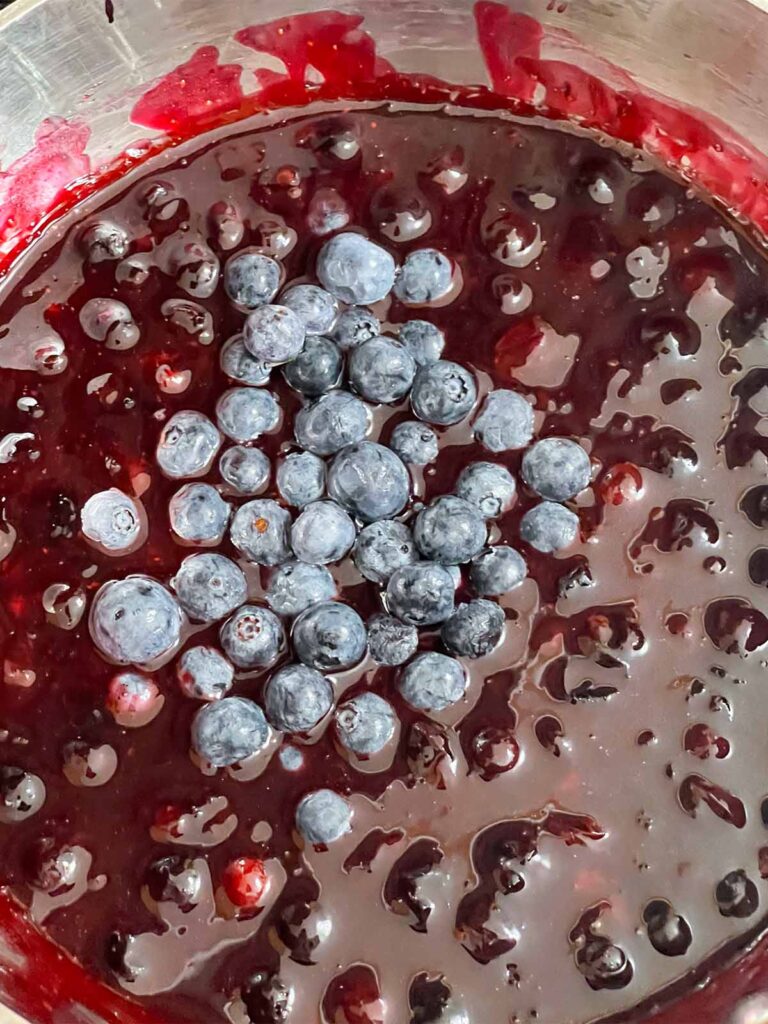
(316, 308)
(197, 269)
(365, 724)
(505, 422)
(260, 531)
(204, 673)
(228, 731)
(198, 514)
(497, 570)
(425, 276)
(22, 794)
(301, 478)
(135, 620)
(295, 586)
(450, 530)
(423, 340)
(330, 637)
(354, 326)
(331, 423)
(556, 468)
(390, 641)
(209, 586)
(245, 470)
(273, 334)
(381, 370)
(188, 445)
(291, 758)
(369, 480)
(244, 414)
(414, 442)
(322, 533)
(251, 279)
(253, 637)
(316, 369)
(296, 698)
(112, 519)
(474, 629)
(433, 682)
(323, 816)
(549, 527)
(355, 270)
(109, 321)
(383, 547)
(237, 362)
(443, 393)
(421, 594)
(488, 487)
(103, 241)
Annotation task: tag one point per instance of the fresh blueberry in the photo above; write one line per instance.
(488, 487)
(369, 480)
(209, 586)
(383, 547)
(251, 279)
(474, 629)
(497, 570)
(322, 533)
(253, 637)
(433, 682)
(188, 445)
(104, 241)
(365, 724)
(390, 641)
(423, 340)
(198, 514)
(245, 470)
(421, 594)
(260, 532)
(355, 270)
(450, 530)
(425, 276)
(295, 586)
(354, 326)
(443, 393)
(317, 368)
(135, 620)
(244, 414)
(296, 698)
(331, 423)
(273, 334)
(414, 442)
(323, 816)
(381, 370)
(228, 731)
(505, 422)
(301, 478)
(316, 308)
(556, 468)
(111, 519)
(330, 637)
(204, 673)
(549, 527)
(291, 758)
(237, 362)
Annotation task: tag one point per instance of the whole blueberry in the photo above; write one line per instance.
(317, 368)
(273, 334)
(390, 641)
(322, 817)
(296, 698)
(369, 480)
(330, 637)
(383, 547)
(423, 340)
(425, 276)
(450, 530)
(433, 682)
(228, 731)
(104, 240)
(209, 586)
(245, 470)
(22, 794)
(198, 514)
(355, 269)
(135, 620)
(414, 442)
(112, 519)
(443, 393)
(244, 414)
(204, 673)
(556, 468)
(251, 279)
(315, 307)
(488, 487)
(322, 533)
(549, 527)
(505, 422)
(188, 445)
(354, 326)
(497, 570)
(295, 586)
(365, 724)
(237, 362)
(331, 423)
(381, 370)
(474, 629)
(301, 478)
(260, 532)
(253, 637)
(421, 594)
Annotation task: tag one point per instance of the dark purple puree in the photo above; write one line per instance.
(585, 830)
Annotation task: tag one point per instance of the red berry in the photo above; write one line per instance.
(245, 882)
(623, 482)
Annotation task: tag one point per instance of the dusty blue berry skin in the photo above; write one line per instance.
(245, 470)
(111, 519)
(198, 514)
(244, 414)
(237, 362)
(188, 445)
(433, 682)
(423, 340)
(273, 334)
(556, 468)
(443, 393)
(488, 487)
(425, 276)
(251, 279)
(331, 423)
(369, 481)
(297, 698)
(549, 527)
(228, 731)
(135, 620)
(330, 637)
(505, 422)
(301, 478)
(381, 370)
(365, 724)
(295, 586)
(322, 817)
(415, 443)
(450, 531)
(204, 673)
(354, 326)
(316, 369)
(474, 629)
(315, 307)
(497, 570)
(383, 547)
(260, 532)
(253, 637)
(209, 586)
(421, 594)
(390, 641)
(355, 270)
(323, 533)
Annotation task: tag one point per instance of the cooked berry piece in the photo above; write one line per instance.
(369, 480)
(245, 470)
(505, 422)
(301, 478)
(390, 641)
(110, 322)
(423, 340)
(433, 682)
(260, 532)
(296, 698)
(245, 882)
(209, 586)
(244, 414)
(443, 393)
(354, 326)
(133, 699)
(365, 724)
(135, 620)
(237, 362)
(253, 637)
(228, 731)
(112, 519)
(383, 547)
(204, 673)
(330, 637)
(381, 370)
(421, 594)
(322, 533)
(295, 586)
(414, 442)
(497, 570)
(331, 423)
(198, 514)
(488, 487)
(323, 817)
(187, 445)
(474, 629)
(425, 276)
(315, 307)
(273, 334)
(355, 270)
(104, 241)
(22, 794)
(251, 279)
(556, 468)
(549, 527)
(450, 531)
